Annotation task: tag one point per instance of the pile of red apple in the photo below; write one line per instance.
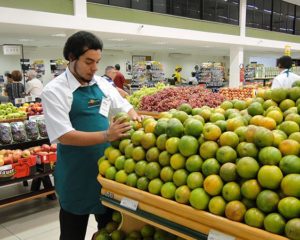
(12, 156)
(34, 109)
(236, 93)
(45, 149)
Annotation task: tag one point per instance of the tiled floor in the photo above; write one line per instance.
(33, 220)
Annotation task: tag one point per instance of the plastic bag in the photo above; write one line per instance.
(18, 132)
(42, 128)
(31, 128)
(5, 134)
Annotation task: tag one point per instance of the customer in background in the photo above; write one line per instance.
(34, 86)
(15, 89)
(285, 78)
(7, 74)
(193, 80)
(110, 74)
(177, 75)
(119, 79)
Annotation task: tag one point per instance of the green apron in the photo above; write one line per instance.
(76, 168)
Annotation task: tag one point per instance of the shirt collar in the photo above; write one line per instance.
(73, 82)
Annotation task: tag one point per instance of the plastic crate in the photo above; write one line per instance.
(46, 163)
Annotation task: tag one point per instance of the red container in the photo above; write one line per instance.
(46, 162)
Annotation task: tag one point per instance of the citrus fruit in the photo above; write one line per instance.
(211, 132)
(129, 165)
(136, 137)
(188, 146)
(160, 127)
(251, 130)
(117, 235)
(186, 108)
(235, 210)
(113, 154)
(228, 172)
(138, 153)
(210, 166)
(217, 205)
(147, 231)
(205, 113)
(292, 229)
(148, 140)
(180, 177)
(196, 111)
(247, 167)
(199, 199)
(240, 105)
(250, 189)
(266, 152)
(222, 124)
(231, 191)
(289, 207)
(140, 168)
(294, 93)
(111, 226)
(182, 194)
(294, 117)
(255, 108)
(263, 137)
(234, 123)
(279, 94)
(134, 235)
(110, 173)
(296, 83)
(103, 166)
(174, 128)
(116, 217)
(269, 176)
(289, 127)
(269, 103)
(267, 201)
(275, 115)
(254, 218)
(249, 203)
(290, 164)
(208, 149)
(121, 176)
(295, 136)
(290, 185)
(229, 139)
(193, 127)
(274, 223)
(194, 180)
(166, 174)
(142, 183)
(154, 186)
(290, 111)
(128, 150)
(165, 115)
(164, 158)
(289, 147)
(123, 144)
(216, 116)
(226, 154)
(152, 154)
(256, 120)
(226, 105)
(193, 163)
(161, 142)
(279, 136)
(168, 190)
(229, 112)
(152, 170)
(131, 180)
(245, 149)
(268, 123)
(213, 185)
(172, 145)
(177, 161)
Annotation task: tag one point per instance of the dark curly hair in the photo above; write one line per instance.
(79, 43)
(285, 62)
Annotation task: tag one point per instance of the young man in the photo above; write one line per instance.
(76, 106)
(285, 78)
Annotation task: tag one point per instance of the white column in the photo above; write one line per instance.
(243, 10)
(80, 9)
(236, 59)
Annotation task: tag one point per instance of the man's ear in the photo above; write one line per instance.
(71, 57)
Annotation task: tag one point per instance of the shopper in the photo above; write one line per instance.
(110, 74)
(193, 80)
(119, 79)
(15, 89)
(34, 86)
(7, 74)
(76, 107)
(285, 78)
(177, 75)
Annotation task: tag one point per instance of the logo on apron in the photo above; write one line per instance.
(94, 103)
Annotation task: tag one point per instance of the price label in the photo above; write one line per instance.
(29, 99)
(36, 117)
(19, 100)
(216, 235)
(129, 203)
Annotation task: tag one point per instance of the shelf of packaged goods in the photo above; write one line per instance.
(183, 215)
(146, 113)
(24, 145)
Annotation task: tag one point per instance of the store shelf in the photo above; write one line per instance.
(183, 215)
(24, 145)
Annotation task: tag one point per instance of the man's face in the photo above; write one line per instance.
(86, 66)
(112, 73)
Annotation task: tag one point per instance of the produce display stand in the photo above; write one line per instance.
(146, 113)
(13, 120)
(37, 179)
(182, 220)
(264, 80)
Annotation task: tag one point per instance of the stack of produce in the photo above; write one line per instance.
(236, 93)
(137, 96)
(239, 160)
(9, 112)
(173, 97)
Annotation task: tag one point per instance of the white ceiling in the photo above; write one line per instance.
(42, 37)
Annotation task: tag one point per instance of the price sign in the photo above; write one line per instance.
(11, 50)
(36, 117)
(129, 203)
(19, 101)
(216, 235)
(29, 99)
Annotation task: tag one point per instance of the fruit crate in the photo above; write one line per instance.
(13, 120)
(24, 167)
(186, 216)
(46, 163)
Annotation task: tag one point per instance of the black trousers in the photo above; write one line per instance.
(73, 227)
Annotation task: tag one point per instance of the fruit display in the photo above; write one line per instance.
(5, 133)
(239, 160)
(236, 93)
(18, 132)
(9, 112)
(32, 130)
(172, 97)
(136, 97)
(42, 128)
(12, 156)
(33, 108)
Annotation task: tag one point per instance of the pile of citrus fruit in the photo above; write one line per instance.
(239, 160)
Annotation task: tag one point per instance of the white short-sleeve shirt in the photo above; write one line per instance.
(284, 79)
(34, 87)
(57, 98)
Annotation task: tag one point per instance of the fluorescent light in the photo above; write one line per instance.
(117, 39)
(59, 35)
(26, 40)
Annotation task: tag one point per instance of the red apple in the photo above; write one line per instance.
(26, 153)
(1, 162)
(16, 156)
(37, 149)
(45, 148)
(53, 147)
(43, 153)
(8, 160)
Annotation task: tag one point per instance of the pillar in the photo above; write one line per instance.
(236, 59)
(80, 8)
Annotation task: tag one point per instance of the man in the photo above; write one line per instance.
(177, 75)
(119, 79)
(34, 86)
(285, 78)
(76, 105)
(110, 74)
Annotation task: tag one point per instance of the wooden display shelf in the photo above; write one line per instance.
(152, 114)
(13, 120)
(184, 215)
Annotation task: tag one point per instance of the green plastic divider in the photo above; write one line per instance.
(265, 34)
(157, 219)
(101, 11)
(53, 6)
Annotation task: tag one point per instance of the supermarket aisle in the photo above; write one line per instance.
(33, 220)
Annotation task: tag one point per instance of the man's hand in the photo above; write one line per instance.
(118, 129)
(134, 116)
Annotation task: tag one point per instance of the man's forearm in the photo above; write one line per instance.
(78, 138)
